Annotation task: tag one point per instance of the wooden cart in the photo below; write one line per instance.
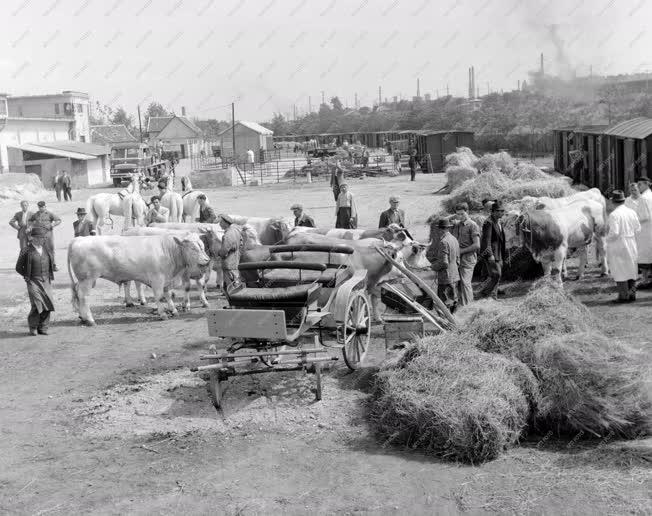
(289, 315)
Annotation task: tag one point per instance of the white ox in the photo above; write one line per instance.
(391, 232)
(155, 260)
(201, 275)
(550, 233)
(593, 194)
(127, 203)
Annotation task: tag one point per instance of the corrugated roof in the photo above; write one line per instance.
(250, 125)
(105, 134)
(640, 127)
(67, 149)
(588, 129)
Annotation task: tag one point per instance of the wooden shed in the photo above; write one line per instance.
(628, 144)
(248, 135)
(437, 144)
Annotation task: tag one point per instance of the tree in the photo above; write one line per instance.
(120, 116)
(155, 109)
(279, 125)
(211, 127)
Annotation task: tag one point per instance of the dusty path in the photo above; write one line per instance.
(91, 422)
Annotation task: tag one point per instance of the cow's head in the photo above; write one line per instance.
(512, 221)
(281, 228)
(192, 249)
(250, 237)
(212, 239)
(413, 253)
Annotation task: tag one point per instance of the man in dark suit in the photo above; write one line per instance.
(301, 218)
(66, 183)
(492, 249)
(393, 215)
(19, 223)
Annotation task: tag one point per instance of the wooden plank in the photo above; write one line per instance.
(418, 307)
(252, 324)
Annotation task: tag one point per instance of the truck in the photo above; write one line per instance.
(134, 157)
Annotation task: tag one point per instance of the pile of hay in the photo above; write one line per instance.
(588, 382)
(489, 185)
(463, 157)
(456, 175)
(18, 186)
(500, 161)
(452, 400)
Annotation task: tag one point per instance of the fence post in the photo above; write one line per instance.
(294, 172)
(278, 179)
(261, 174)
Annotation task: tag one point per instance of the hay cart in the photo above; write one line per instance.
(289, 316)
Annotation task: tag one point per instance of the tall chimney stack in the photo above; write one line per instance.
(470, 85)
(518, 88)
(418, 88)
(183, 110)
(473, 79)
(541, 70)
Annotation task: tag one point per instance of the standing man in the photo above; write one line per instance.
(397, 162)
(82, 226)
(621, 247)
(58, 186)
(19, 223)
(393, 215)
(48, 221)
(492, 249)
(36, 265)
(467, 234)
(365, 157)
(413, 162)
(301, 218)
(250, 159)
(644, 212)
(337, 178)
(346, 214)
(206, 213)
(230, 250)
(444, 254)
(66, 185)
(156, 213)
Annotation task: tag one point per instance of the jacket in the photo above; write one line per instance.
(20, 222)
(390, 216)
(492, 243)
(304, 220)
(23, 265)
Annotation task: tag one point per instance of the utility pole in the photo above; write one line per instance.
(140, 125)
(380, 100)
(447, 91)
(322, 97)
(309, 105)
(233, 128)
(488, 91)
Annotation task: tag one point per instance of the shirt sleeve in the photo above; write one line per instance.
(614, 228)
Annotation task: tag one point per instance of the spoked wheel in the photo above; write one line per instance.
(356, 330)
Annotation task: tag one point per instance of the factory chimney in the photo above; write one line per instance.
(541, 70)
(473, 82)
(183, 110)
(418, 88)
(518, 88)
(470, 85)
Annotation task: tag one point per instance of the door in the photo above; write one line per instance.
(183, 150)
(34, 169)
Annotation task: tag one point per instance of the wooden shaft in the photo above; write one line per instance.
(264, 353)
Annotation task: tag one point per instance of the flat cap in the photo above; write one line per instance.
(296, 207)
(394, 198)
(225, 218)
(40, 203)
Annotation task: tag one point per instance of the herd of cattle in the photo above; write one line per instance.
(167, 255)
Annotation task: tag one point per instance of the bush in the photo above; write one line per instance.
(452, 400)
(456, 175)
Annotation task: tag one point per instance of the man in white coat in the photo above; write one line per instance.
(644, 241)
(622, 255)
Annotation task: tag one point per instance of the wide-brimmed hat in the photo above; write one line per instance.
(394, 198)
(497, 206)
(40, 203)
(444, 222)
(644, 179)
(225, 218)
(296, 207)
(81, 211)
(38, 231)
(617, 196)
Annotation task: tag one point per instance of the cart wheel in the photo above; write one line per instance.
(215, 387)
(317, 369)
(356, 330)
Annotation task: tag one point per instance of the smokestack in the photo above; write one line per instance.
(541, 70)
(418, 89)
(379, 99)
(518, 88)
(473, 80)
(183, 110)
(470, 92)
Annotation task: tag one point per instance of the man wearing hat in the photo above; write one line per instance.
(230, 250)
(492, 249)
(206, 213)
(467, 234)
(83, 226)
(48, 221)
(337, 178)
(36, 265)
(622, 254)
(644, 212)
(301, 218)
(444, 254)
(19, 223)
(346, 214)
(393, 215)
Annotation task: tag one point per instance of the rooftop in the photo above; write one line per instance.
(640, 127)
(156, 124)
(250, 125)
(67, 149)
(106, 134)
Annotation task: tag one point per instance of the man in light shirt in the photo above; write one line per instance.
(644, 212)
(19, 223)
(345, 210)
(157, 213)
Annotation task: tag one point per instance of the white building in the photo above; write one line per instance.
(248, 135)
(175, 133)
(37, 119)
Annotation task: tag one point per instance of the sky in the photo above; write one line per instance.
(268, 56)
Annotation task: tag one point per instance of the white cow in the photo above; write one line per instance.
(154, 260)
(127, 203)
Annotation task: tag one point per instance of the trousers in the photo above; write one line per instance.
(38, 321)
(67, 193)
(626, 290)
(465, 287)
(448, 294)
(495, 272)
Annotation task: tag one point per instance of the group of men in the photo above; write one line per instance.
(63, 185)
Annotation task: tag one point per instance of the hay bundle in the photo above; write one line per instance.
(553, 188)
(463, 157)
(588, 383)
(501, 161)
(489, 185)
(456, 175)
(452, 400)
(526, 171)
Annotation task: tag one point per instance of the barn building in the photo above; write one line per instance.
(111, 134)
(605, 157)
(248, 135)
(175, 134)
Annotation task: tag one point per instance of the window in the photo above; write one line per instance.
(82, 139)
(79, 108)
(20, 110)
(56, 109)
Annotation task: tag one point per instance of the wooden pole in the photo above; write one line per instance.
(140, 126)
(233, 128)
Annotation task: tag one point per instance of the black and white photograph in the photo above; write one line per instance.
(340, 257)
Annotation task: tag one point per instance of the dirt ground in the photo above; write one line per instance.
(109, 420)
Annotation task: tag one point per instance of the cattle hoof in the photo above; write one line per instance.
(129, 305)
(88, 323)
(143, 303)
